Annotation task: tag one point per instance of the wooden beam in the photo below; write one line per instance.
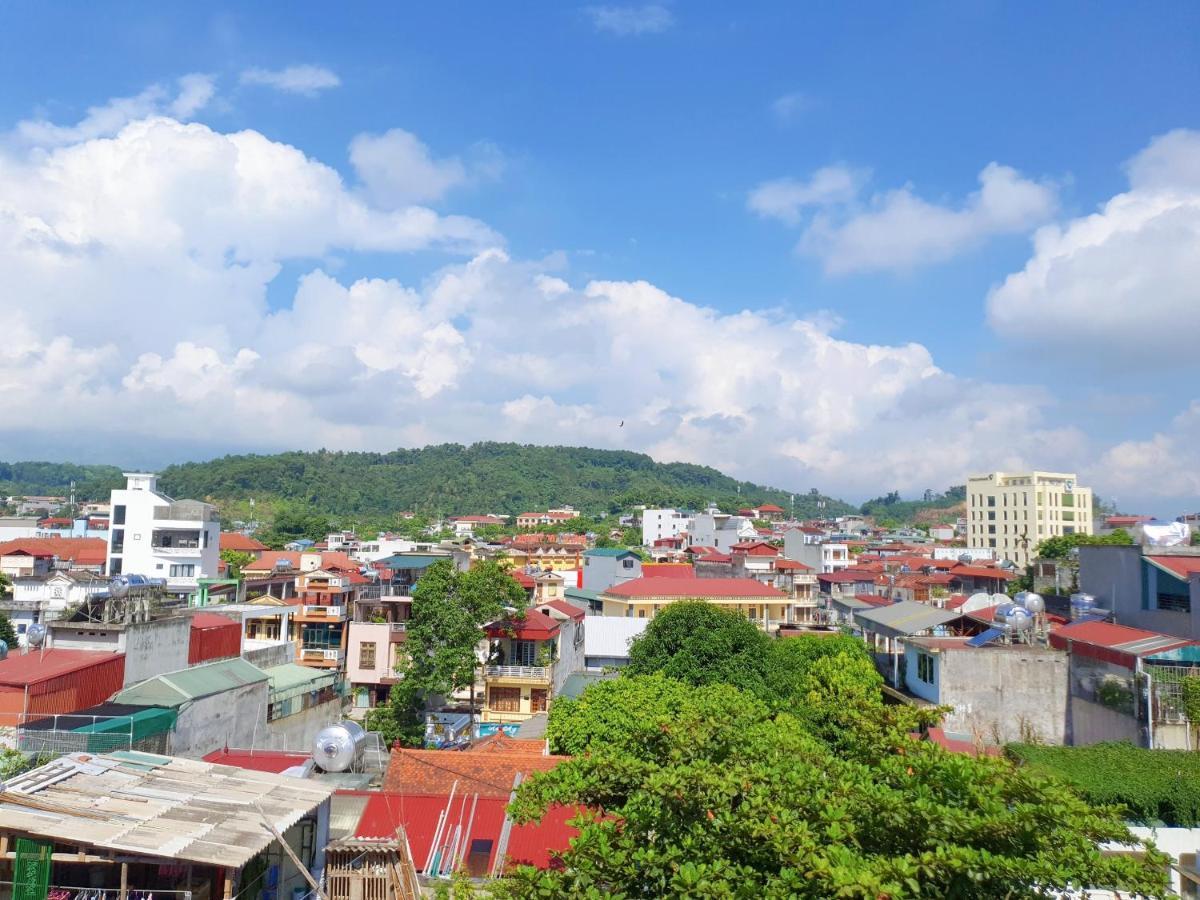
(291, 853)
(124, 881)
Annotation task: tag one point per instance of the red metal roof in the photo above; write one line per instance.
(699, 588)
(523, 580)
(714, 558)
(789, 564)
(564, 607)
(845, 576)
(1179, 566)
(755, 548)
(276, 761)
(535, 626)
(668, 570)
(1125, 642)
(271, 557)
(20, 669)
(535, 844)
(211, 620)
(873, 599)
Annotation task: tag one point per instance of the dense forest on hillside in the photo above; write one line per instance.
(22, 479)
(484, 477)
(939, 507)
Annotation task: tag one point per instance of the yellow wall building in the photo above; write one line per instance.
(1011, 513)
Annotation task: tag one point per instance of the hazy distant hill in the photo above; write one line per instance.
(54, 480)
(484, 477)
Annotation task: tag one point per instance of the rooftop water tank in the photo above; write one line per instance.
(337, 747)
(1082, 605)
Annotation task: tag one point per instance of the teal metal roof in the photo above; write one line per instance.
(290, 679)
(609, 551)
(581, 593)
(174, 689)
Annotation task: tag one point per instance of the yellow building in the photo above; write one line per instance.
(642, 598)
(1011, 513)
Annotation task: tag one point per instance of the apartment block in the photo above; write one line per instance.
(1011, 513)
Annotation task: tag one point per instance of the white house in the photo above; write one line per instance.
(153, 535)
(663, 523)
(818, 554)
(42, 598)
(720, 530)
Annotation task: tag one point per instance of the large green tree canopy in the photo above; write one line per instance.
(814, 788)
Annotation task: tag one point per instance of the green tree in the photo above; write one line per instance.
(709, 793)
(7, 633)
(5, 585)
(448, 609)
(1060, 546)
(236, 560)
(699, 643)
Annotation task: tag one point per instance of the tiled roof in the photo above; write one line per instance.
(714, 558)
(770, 507)
(82, 551)
(500, 742)
(699, 588)
(980, 572)
(486, 774)
(784, 565)
(270, 557)
(235, 540)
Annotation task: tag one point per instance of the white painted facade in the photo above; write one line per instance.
(155, 536)
(663, 523)
(13, 528)
(42, 598)
(819, 555)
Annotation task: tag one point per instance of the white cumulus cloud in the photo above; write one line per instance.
(897, 229)
(1126, 277)
(305, 80)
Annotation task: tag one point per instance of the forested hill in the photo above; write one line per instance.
(484, 477)
(46, 479)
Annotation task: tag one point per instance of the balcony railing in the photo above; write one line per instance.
(320, 654)
(399, 627)
(531, 673)
(327, 612)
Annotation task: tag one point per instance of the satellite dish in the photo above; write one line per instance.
(35, 635)
(980, 600)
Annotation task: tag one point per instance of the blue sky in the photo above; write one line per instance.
(625, 144)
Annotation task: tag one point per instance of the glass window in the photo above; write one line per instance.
(366, 655)
(925, 668)
(523, 653)
(119, 514)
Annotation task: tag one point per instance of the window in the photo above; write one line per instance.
(114, 566)
(538, 698)
(925, 668)
(991, 501)
(504, 699)
(523, 653)
(118, 515)
(641, 614)
(183, 571)
(366, 655)
(118, 540)
(627, 563)
(991, 517)
(991, 529)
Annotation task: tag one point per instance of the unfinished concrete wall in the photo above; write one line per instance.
(155, 647)
(1092, 723)
(271, 655)
(1006, 693)
(296, 732)
(233, 718)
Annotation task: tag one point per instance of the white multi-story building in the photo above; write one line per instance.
(155, 536)
(42, 598)
(663, 523)
(822, 557)
(1011, 513)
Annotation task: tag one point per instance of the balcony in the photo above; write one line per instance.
(320, 655)
(323, 612)
(539, 674)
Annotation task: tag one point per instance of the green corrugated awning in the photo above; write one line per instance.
(146, 723)
(291, 679)
(177, 688)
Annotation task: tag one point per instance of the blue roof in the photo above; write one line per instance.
(617, 552)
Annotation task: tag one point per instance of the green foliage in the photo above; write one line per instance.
(708, 792)
(402, 718)
(699, 643)
(236, 560)
(895, 511)
(1151, 785)
(1060, 546)
(7, 633)
(448, 609)
(54, 479)
(483, 477)
(1190, 688)
(14, 762)
(293, 522)
(5, 585)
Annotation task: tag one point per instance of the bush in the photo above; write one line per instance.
(1152, 786)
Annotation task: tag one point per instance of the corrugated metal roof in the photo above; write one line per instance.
(20, 669)
(290, 675)
(176, 688)
(416, 561)
(158, 806)
(905, 617)
(617, 552)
